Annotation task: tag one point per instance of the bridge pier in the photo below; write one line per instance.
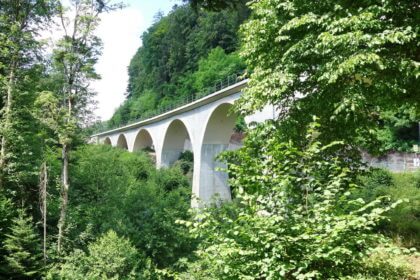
(212, 180)
(209, 181)
(170, 156)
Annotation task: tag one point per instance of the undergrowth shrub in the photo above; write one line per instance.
(109, 257)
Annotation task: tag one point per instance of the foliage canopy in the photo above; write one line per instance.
(346, 62)
(293, 217)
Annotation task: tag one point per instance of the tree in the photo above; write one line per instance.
(216, 67)
(43, 192)
(346, 62)
(293, 217)
(20, 23)
(7, 212)
(215, 5)
(22, 244)
(73, 62)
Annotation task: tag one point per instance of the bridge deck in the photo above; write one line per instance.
(223, 92)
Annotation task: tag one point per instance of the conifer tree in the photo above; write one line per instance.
(23, 249)
(6, 214)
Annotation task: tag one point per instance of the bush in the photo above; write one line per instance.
(404, 220)
(186, 162)
(374, 184)
(186, 156)
(109, 257)
(381, 265)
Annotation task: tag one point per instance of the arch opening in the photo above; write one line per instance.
(122, 142)
(220, 134)
(144, 142)
(176, 143)
(107, 141)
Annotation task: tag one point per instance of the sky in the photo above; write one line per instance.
(120, 32)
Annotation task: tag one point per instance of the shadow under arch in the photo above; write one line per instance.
(107, 141)
(177, 140)
(122, 142)
(219, 136)
(143, 141)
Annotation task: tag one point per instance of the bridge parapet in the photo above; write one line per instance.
(229, 81)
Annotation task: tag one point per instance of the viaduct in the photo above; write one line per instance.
(204, 126)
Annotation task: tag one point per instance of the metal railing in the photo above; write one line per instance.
(219, 85)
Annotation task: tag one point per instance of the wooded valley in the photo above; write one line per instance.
(344, 76)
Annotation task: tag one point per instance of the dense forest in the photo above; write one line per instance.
(183, 53)
(305, 206)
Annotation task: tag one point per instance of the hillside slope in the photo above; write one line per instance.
(182, 53)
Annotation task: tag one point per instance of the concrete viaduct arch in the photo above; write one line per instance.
(107, 141)
(143, 141)
(204, 126)
(122, 142)
(216, 137)
(176, 140)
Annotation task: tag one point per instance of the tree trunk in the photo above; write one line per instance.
(43, 181)
(7, 120)
(64, 194)
(65, 185)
